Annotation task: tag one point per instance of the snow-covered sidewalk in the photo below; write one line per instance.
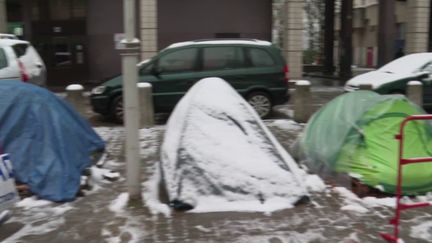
(334, 214)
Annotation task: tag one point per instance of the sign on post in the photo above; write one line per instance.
(8, 193)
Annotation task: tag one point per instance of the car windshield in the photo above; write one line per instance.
(407, 64)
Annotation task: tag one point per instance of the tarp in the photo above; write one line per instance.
(216, 150)
(355, 134)
(48, 142)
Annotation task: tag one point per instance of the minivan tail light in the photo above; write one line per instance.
(286, 72)
(23, 71)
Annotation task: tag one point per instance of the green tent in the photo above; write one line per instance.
(355, 134)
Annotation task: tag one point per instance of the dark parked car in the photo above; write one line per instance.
(255, 68)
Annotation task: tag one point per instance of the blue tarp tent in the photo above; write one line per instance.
(48, 142)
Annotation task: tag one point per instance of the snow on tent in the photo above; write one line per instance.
(355, 134)
(48, 142)
(217, 155)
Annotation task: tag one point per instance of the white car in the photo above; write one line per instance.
(392, 77)
(8, 36)
(20, 61)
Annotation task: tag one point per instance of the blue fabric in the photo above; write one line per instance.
(48, 141)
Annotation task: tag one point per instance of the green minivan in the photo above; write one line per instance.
(255, 68)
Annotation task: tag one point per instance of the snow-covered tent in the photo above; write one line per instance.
(48, 142)
(217, 151)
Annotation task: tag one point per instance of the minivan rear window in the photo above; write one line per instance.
(3, 59)
(223, 58)
(20, 49)
(260, 58)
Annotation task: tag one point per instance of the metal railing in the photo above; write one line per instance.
(404, 161)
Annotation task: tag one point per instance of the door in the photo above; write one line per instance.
(65, 58)
(171, 75)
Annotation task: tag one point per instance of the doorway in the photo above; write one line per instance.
(65, 58)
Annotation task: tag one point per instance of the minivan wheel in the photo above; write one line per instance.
(117, 111)
(261, 102)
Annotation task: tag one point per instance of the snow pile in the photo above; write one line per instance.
(34, 212)
(422, 231)
(289, 125)
(218, 156)
(362, 205)
(32, 202)
(120, 203)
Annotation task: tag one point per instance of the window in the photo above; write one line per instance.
(67, 9)
(3, 59)
(79, 8)
(223, 58)
(178, 61)
(147, 70)
(62, 54)
(260, 58)
(35, 12)
(60, 9)
(20, 49)
(227, 35)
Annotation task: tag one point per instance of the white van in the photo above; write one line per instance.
(20, 61)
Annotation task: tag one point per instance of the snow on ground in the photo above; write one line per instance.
(422, 230)
(288, 125)
(314, 183)
(362, 205)
(34, 211)
(311, 235)
(318, 222)
(120, 203)
(132, 226)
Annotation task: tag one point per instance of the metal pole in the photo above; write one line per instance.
(386, 31)
(329, 36)
(3, 19)
(130, 52)
(345, 43)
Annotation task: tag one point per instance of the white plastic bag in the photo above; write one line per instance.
(8, 193)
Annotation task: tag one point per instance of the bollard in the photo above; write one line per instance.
(146, 105)
(74, 95)
(365, 87)
(302, 101)
(415, 92)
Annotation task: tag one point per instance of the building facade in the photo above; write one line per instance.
(77, 38)
(412, 23)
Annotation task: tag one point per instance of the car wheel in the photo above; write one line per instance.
(117, 110)
(261, 102)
